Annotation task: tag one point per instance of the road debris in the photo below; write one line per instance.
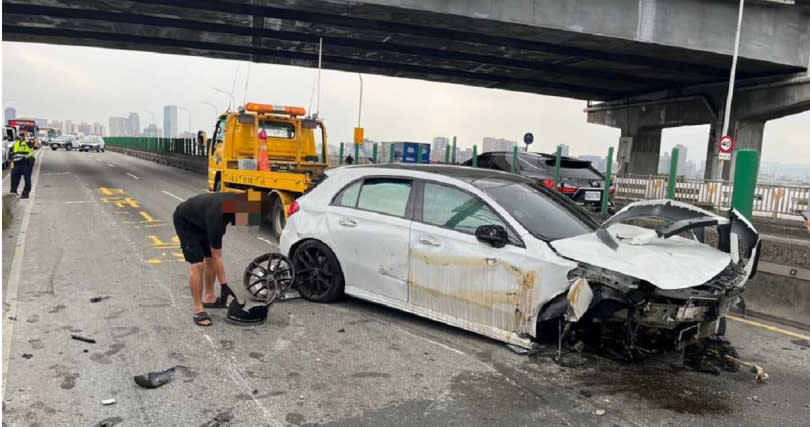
(109, 422)
(27, 356)
(106, 402)
(83, 338)
(12, 317)
(762, 376)
(599, 412)
(99, 299)
(154, 379)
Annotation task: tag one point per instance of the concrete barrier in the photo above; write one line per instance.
(9, 201)
(192, 164)
(781, 288)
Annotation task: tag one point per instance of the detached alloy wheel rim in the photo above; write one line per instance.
(314, 276)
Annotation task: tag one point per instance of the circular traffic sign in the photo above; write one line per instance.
(528, 138)
(726, 144)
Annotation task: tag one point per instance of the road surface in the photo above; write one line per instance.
(99, 224)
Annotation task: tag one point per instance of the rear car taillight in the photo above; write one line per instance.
(567, 189)
(293, 209)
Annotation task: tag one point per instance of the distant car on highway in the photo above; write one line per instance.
(65, 142)
(9, 136)
(91, 143)
(578, 179)
(503, 256)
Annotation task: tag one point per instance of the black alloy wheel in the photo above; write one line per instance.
(267, 277)
(318, 276)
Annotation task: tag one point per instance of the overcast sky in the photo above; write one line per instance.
(89, 84)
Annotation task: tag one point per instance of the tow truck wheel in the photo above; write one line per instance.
(277, 218)
(53, 147)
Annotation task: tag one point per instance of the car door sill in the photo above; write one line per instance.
(507, 337)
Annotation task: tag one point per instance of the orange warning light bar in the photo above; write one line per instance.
(275, 109)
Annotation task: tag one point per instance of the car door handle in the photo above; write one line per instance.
(346, 222)
(429, 242)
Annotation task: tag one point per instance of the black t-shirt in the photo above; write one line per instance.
(204, 212)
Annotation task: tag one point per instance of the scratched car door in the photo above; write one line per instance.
(454, 274)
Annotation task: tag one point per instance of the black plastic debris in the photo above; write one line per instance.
(27, 356)
(109, 422)
(237, 314)
(154, 379)
(98, 299)
(341, 330)
(12, 317)
(82, 338)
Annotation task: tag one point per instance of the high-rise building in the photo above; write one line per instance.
(150, 131)
(10, 113)
(170, 121)
(440, 144)
(497, 144)
(133, 125)
(69, 127)
(85, 128)
(683, 168)
(118, 126)
(98, 129)
(663, 163)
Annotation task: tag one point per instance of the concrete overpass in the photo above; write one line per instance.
(623, 51)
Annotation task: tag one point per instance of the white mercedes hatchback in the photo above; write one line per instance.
(497, 254)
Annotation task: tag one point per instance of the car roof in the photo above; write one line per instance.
(462, 173)
(523, 153)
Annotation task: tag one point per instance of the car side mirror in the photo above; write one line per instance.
(495, 235)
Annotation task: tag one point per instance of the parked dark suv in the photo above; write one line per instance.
(578, 179)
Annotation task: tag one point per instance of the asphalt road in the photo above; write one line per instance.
(100, 225)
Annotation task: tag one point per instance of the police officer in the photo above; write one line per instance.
(22, 156)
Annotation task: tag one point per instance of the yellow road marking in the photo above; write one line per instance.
(768, 327)
(111, 191)
(154, 261)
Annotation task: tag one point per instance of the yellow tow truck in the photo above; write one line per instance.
(271, 149)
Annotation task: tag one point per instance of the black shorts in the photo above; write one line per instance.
(193, 240)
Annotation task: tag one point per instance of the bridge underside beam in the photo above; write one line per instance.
(386, 38)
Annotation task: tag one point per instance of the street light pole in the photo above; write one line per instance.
(727, 113)
(360, 104)
(230, 94)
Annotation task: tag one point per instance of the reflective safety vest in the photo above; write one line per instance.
(21, 151)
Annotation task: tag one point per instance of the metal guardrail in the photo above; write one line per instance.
(774, 200)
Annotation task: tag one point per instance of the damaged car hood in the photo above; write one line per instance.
(660, 256)
(673, 263)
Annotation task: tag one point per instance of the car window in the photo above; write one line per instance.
(452, 208)
(277, 129)
(384, 195)
(348, 197)
(539, 213)
(484, 160)
(500, 162)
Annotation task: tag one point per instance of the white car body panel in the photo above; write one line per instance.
(440, 283)
(673, 263)
(372, 249)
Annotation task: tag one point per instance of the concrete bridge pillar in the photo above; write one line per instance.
(639, 150)
(746, 133)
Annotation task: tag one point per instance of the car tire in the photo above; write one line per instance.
(318, 276)
(53, 148)
(277, 218)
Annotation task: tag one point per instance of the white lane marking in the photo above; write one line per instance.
(133, 176)
(110, 165)
(75, 202)
(16, 268)
(57, 173)
(97, 159)
(269, 242)
(172, 195)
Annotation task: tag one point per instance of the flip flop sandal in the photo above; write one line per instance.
(222, 300)
(201, 317)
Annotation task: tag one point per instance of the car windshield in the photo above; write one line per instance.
(90, 139)
(545, 215)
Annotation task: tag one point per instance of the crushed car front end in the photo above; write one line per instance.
(638, 291)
